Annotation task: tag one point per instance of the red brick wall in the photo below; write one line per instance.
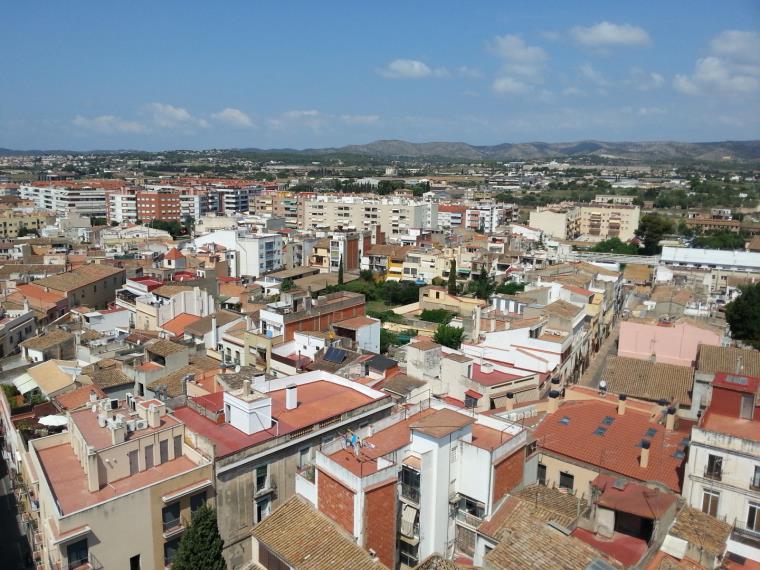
(352, 254)
(380, 522)
(335, 501)
(322, 322)
(508, 474)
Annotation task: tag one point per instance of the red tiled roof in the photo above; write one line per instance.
(79, 397)
(174, 253)
(473, 394)
(317, 401)
(738, 382)
(177, 325)
(492, 378)
(618, 449)
(633, 498)
(356, 322)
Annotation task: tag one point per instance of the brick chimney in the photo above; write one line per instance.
(510, 405)
(553, 401)
(621, 404)
(670, 418)
(644, 459)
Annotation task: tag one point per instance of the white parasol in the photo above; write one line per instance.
(54, 421)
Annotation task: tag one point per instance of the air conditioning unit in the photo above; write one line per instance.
(141, 424)
(113, 404)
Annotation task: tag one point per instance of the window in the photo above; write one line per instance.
(714, 467)
(408, 554)
(197, 501)
(163, 448)
(177, 446)
(710, 503)
(170, 550)
(77, 553)
(170, 516)
(263, 507)
(410, 484)
(541, 475)
(566, 481)
(304, 457)
(134, 562)
(753, 517)
(261, 477)
(470, 402)
(755, 484)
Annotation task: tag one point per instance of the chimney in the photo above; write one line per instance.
(246, 387)
(644, 459)
(291, 397)
(154, 416)
(553, 401)
(93, 396)
(510, 401)
(214, 339)
(621, 404)
(670, 418)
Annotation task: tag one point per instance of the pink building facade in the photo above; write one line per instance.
(669, 344)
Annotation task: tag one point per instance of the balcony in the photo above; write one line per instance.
(744, 540)
(88, 562)
(469, 519)
(410, 493)
(712, 473)
(173, 527)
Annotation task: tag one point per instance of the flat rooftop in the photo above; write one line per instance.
(100, 437)
(317, 401)
(68, 481)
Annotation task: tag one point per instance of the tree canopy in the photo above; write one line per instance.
(614, 245)
(452, 283)
(448, 335)
(652, 228)
(743, 315)
(201, 545)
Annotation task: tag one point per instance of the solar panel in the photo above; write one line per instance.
(600, 431)
(335, 355)
(608, 420)
(740, 380)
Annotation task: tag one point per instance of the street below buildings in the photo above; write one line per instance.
(13, 547)
(593, 373)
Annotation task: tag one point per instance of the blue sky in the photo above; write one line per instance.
(160, 75)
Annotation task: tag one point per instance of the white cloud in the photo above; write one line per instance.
(607, 34)
(644, 111)
(523, 64)
(108, 124)
(469, 72)
(644, 81)
(588, 72)
(299, 119)
(170, 117)
(572, 90)
(411, 69)
(233, 117)
(510, 85)
(732, 68)
(360, 119)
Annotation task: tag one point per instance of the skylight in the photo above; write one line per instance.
(608, 420)
(600, 431)
(564, 421)
(651, 432)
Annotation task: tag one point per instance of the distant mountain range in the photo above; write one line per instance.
(666, 150)
(659, 151)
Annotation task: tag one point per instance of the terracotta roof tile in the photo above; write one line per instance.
(649, 380)
(306, 539)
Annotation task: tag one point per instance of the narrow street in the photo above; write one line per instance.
(593, 373)
(13, 548)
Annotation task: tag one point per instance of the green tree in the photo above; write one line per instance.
(483, 285)
(652, 228)
(387, 338)
(437, 316)
(189, 223)
(448, 335)
(614, 245)
(509, 288)
(743, 315)
(452, 285)
(286, 285)
(201, 545)
(23, 232)
(340, 271)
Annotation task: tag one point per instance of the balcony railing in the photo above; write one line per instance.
(712, 473)
(410, 493)
(469, 519)
(746, 535)
(173, 526)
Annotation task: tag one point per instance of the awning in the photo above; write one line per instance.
(473, 394)
(25, 384)
(174, 495)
